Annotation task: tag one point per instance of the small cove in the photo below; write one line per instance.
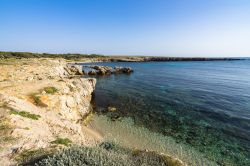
(204, 105)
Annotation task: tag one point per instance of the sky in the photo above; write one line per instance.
(127, 27)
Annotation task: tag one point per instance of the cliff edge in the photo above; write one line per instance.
(41, 106)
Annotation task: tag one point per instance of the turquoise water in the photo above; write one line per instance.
(202, 104)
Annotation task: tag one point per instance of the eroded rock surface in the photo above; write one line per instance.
(40, 101)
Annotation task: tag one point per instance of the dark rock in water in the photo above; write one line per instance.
(91, 72)
(107, 70)
(102, 70)
(123, 70)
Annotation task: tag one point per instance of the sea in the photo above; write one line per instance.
(204, 105)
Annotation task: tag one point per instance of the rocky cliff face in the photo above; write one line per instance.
(41, 102)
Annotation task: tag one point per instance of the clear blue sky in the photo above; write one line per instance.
(127, 27)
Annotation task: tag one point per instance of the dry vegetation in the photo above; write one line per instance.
(107, 153)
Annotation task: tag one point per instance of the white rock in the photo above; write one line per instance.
(70, 102)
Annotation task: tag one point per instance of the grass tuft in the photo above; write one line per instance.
(37, 100)
(62, 141)
(25, 114)
(50, 90)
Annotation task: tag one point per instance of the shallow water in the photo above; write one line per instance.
(205, 105)
(126, 133)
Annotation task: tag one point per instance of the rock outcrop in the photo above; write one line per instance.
(79, 69)
(107, 70)
(42, 102)
(102, 70)
(74, 69)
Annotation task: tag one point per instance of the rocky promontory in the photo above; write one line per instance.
(79, 69)
(42, 105)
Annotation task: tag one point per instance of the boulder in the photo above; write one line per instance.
(91, 72)
(123, 70)
(76, 70)
(102, 70)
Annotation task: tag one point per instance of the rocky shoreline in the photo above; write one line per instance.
(41, 102)
(45, 106)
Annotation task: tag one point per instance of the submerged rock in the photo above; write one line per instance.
(112, 109)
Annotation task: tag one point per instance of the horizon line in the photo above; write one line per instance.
(130, 55)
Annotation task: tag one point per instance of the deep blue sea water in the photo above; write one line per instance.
(204, 104)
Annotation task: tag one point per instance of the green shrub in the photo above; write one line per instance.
(37, 101)
(62, 141)
(50, 90)
(25, 114)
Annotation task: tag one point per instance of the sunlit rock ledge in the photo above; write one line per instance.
(41, 103)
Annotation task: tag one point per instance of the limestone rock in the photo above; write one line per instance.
(76, 70)
(61, 116)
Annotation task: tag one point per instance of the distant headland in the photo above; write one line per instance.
(100, 57)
